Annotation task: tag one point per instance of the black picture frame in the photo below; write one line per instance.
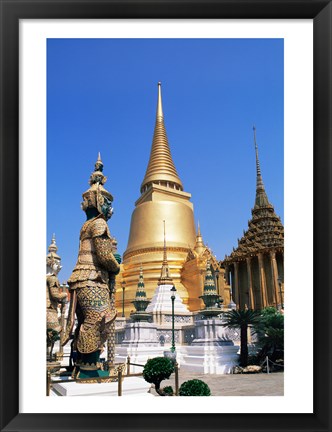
(14, 10)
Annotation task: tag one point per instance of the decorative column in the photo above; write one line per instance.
(236, 284)
(275, 276)
(262, 280)
(251, 296)
(227, 274)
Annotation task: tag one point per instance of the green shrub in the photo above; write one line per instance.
(194, 387)
(156, 370)
(168, 390)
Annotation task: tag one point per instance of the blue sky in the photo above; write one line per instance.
(102, 95)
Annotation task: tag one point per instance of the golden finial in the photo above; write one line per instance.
(199, 245)
(160, 114)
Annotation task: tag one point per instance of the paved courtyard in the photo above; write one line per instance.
(235, 385)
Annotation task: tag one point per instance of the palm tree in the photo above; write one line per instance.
(272, 344)
(271, 334)
(242, 319)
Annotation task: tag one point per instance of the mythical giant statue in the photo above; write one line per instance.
(92, 280)
(54, 297)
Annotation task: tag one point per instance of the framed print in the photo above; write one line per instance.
(39, 43)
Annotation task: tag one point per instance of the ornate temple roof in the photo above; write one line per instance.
(202, 252)
(265, 230)
(161, 167)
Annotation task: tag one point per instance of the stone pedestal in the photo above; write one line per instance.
(140, 343)
(131, 386)
(211, 351)
(211, 332)
(209, 359)
(138, 354)
(140, 333)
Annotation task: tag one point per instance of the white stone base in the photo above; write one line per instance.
(131, 386)
(209, 359)
(140, 332)
(138, 354)
(161, 301)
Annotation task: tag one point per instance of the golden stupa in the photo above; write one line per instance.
(162, 199)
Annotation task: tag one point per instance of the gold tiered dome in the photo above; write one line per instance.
(162, 199)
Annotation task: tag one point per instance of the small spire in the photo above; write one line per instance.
(209, 285)
(199, 245)
(160, 114)
(261, 197)
(165, 278)
(140, 301)
(140, 292)
(258, 168)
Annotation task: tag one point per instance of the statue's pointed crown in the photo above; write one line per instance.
(94, 196)
(52, 250)
(161, 168)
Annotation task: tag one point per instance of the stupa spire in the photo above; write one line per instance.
(140, 292)
(261, 199)
(199, 245)
(209, 285)
(160, 114)
(161, 169)
(165, 278)
(140, 302)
